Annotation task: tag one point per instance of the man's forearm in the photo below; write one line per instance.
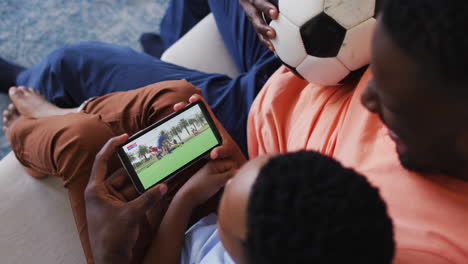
(112, 258)
(167, 245)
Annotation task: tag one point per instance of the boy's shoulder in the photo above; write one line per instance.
(203, 245)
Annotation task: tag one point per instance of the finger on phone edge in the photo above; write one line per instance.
(179, 106)
(220, 152)
(197, 97)
(99, 170)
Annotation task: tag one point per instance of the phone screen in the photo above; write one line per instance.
(167, 147)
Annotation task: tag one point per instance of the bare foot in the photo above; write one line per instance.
(10, 116)
(30, 103)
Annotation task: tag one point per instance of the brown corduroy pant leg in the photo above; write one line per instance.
(65, 146)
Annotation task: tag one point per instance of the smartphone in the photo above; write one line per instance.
(164, 149)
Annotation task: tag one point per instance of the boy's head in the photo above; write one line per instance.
(420, 84)
(303, 208)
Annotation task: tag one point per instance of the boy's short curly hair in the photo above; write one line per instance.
(306, 208)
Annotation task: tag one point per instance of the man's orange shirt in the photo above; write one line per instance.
(430, 212)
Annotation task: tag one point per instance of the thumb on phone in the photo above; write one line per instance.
(224, 177)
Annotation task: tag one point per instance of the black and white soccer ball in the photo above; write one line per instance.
(324, 41)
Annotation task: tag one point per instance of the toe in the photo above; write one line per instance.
(16, 92)
(6, 119)
(32, 90)
(22, 89)
(11, 107)
(12, 90)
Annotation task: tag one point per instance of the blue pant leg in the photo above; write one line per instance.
(180, 17)
(241, 38)
(236, 30)
(74, 73)
(77, 72)
(252, 59)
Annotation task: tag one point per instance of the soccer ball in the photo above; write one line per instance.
(324, 41)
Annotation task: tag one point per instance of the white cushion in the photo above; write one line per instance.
(202, 49)
(36, 219)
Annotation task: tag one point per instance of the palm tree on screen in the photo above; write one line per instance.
(141, 152)
(200, 118)
(192, 122)
(184, 124)
(131, 157)
(175, 132)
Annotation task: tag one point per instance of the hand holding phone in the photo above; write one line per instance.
(207, 181)
(167, 147)
(229, 149)
(112, 221)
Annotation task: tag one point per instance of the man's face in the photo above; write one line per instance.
(424, 127)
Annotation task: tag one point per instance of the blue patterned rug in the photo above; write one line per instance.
(30, 29)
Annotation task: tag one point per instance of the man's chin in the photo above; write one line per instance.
(405, 161)
(415, 165)
(429, 162)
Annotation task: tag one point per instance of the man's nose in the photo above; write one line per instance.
(369, 100)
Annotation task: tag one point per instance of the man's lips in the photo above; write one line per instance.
(401, 146)
(394, 136)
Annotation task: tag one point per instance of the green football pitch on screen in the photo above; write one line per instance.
(179, 157)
